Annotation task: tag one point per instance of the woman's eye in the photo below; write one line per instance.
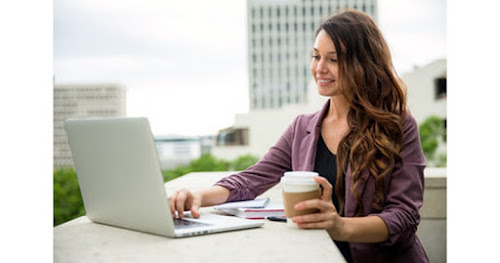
(333, 60)
(315, 57)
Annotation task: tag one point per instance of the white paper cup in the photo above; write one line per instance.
(298, 186)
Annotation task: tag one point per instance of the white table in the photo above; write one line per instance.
(81, 240)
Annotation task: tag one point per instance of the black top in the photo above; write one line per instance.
(326, 166)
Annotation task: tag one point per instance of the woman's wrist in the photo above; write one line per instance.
(368, 229)
(339, 231)
(213, 195)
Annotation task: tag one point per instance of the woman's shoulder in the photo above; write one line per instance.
(409, 122)
(311, 120)
(307, 120)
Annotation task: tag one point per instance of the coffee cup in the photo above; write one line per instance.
(298, 186)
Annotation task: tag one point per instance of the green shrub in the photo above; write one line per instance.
(432, 131)
(243, 162)
(208, 162)
(68, 202)
(176, 172)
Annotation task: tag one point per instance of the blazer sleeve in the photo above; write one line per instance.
(266, 173)
(406, 188)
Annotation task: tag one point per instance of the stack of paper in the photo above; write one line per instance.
(253, 209)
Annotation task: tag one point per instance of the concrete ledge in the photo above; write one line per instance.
(434, 206)
(432, 228)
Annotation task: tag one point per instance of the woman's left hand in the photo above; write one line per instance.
(327, 218)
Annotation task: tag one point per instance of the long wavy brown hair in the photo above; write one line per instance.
(377, 99)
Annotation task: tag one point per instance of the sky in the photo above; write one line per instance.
(183, 63)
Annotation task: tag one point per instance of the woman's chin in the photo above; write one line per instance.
(327, 92)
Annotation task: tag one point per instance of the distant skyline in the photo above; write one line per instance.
(184, 64)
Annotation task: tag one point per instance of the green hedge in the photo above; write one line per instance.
(432, 131)
(68, 202)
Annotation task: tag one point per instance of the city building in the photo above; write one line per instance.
(426, 89)
(427, 86)
(181, 150)
(81, 101)
(280, 37)
(256, 131)
(427, 97)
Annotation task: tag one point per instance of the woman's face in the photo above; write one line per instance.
(324, 67)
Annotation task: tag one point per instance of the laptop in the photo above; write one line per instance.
(121, 181)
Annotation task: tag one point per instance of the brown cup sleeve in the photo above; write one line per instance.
(290, 199)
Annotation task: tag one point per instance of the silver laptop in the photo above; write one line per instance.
(121, 181)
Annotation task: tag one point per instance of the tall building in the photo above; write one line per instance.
(280, 38)
(81, 101)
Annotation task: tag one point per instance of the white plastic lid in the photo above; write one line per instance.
(299, 177)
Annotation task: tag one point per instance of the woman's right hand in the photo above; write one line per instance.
(183, 200)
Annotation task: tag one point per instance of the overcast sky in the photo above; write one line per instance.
(184, 62)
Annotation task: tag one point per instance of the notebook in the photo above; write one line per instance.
(121, 181)
(271, 210)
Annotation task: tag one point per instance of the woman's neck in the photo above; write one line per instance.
(339, 108)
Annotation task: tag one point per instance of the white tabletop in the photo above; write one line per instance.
(81, 240)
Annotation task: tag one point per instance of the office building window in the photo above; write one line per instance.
(440, 88)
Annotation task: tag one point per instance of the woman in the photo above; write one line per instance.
(364, 144)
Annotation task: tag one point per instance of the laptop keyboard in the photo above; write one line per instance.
(179, 223)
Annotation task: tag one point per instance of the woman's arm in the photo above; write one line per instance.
(241, 186)
(369, 229)
(266, 173)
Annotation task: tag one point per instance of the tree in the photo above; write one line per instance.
(432, 131)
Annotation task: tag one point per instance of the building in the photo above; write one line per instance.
(81, 101)
(427, 97)
(427, 86)
(280, 37)
(258, 130)
(181, 150)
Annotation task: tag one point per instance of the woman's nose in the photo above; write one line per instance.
(320, 67)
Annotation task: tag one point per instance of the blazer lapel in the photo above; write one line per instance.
(351, 204)
(310, 140)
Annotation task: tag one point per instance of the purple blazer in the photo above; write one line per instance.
(296, 151)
